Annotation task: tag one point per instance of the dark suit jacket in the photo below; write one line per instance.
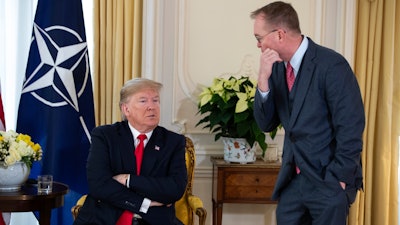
(163, 176)
(323, 118)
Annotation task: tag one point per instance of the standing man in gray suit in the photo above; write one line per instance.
(312, 91)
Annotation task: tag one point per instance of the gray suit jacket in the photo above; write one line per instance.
(323, 118)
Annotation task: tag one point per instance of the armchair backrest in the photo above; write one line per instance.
(183, 210)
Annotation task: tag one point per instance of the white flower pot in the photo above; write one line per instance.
(238, 150)
(13, 177)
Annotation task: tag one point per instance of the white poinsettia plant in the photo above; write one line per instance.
(16, 147)
(228, 108)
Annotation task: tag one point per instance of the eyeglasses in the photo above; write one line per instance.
(260, 38)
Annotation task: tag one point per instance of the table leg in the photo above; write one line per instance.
(45, 216)
(217, 213)
(214, 212)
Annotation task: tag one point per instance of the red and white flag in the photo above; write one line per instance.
(2, 121)
(2, 127)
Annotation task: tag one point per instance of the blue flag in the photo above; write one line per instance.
(56, 107)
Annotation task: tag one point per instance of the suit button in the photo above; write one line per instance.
(292, 138)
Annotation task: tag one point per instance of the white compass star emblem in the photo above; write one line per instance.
(52, 57)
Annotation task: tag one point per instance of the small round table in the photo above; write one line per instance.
(27, 199)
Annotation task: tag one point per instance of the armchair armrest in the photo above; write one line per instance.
(197, 206)
(75, 209)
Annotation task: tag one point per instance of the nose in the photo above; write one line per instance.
(151, 106)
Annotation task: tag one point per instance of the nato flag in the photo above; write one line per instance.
(56, 106)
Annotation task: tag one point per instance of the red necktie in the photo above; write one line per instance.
(290, 81)
(127, 216)
(2, 219)
(289, 76)
(139, 152)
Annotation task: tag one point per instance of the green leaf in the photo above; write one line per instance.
(227, 107)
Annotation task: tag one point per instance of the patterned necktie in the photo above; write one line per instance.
(289, 76)
(290, 81)
(127, 216)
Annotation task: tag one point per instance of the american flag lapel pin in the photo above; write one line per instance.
(157, 148)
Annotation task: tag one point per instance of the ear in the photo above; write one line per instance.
(124, 108)
(281, 34)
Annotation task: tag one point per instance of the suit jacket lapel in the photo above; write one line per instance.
(303, 80)
(152, 152)
(127, 148)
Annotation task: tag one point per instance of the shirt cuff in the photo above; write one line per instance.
(128, 180)
(145, 205)
(264, 94)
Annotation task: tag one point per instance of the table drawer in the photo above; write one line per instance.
(247, 192)
(265, 179)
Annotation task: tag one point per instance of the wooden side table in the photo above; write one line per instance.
(241, 183)
(27, 199)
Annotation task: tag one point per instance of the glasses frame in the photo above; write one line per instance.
(260, 38)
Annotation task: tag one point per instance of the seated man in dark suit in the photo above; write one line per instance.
(119, 187)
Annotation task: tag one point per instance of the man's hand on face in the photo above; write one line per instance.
(267, 59)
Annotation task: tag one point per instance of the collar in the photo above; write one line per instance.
(136, 133)
(296, 59)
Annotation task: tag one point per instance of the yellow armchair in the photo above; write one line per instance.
(188, 205)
